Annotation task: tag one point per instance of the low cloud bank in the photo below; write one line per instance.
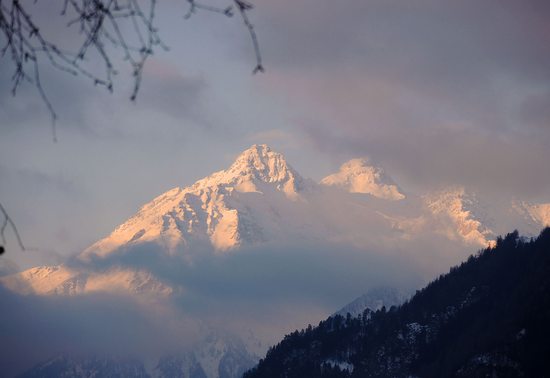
(265, 292)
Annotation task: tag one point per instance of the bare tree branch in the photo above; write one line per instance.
(194, 6)
(243, 8)
(104, 25)
(7, 221)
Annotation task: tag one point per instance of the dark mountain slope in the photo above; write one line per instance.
(488, 317)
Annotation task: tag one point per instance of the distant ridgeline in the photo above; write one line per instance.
(488, 317)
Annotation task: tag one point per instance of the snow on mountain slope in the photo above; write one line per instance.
(215, 357)
(541, 213)
(537, 214)
(62, 280)
(460, 215)
(63, 366)
(261, 199)
(230, 208)
(374, 299)
(258, 199)
(224, 356)
(357, 176)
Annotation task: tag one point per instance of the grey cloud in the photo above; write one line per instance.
(72, 98)
(510, 165)
(255, 281)
(34, 329)
(27, 195)
(268, 291)
(93, 112)
(7, 266)
(166, 91)
(439, 92)
(466, 38)
(535, 111)
(36, 181)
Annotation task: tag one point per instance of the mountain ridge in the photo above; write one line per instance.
(259, 203)
(201, 211)
(260, 199)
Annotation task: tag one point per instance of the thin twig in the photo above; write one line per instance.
(243, 8)
(105, 26)
(8, 221)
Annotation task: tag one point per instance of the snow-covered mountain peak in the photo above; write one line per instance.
(227, 209)
(263, 161)
(254, 167)
(359, 176)
(260, 199)
(355, 164)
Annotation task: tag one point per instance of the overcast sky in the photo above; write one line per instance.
(436, 92)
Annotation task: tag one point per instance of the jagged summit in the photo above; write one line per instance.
(359, 176)
(227, 209)
(264, 163)
(258, 164)
(467, 216)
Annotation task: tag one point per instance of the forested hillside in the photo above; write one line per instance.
(490, 316)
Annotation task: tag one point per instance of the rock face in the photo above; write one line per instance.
(357, 176)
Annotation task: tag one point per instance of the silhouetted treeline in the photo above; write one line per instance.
(490, 316)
